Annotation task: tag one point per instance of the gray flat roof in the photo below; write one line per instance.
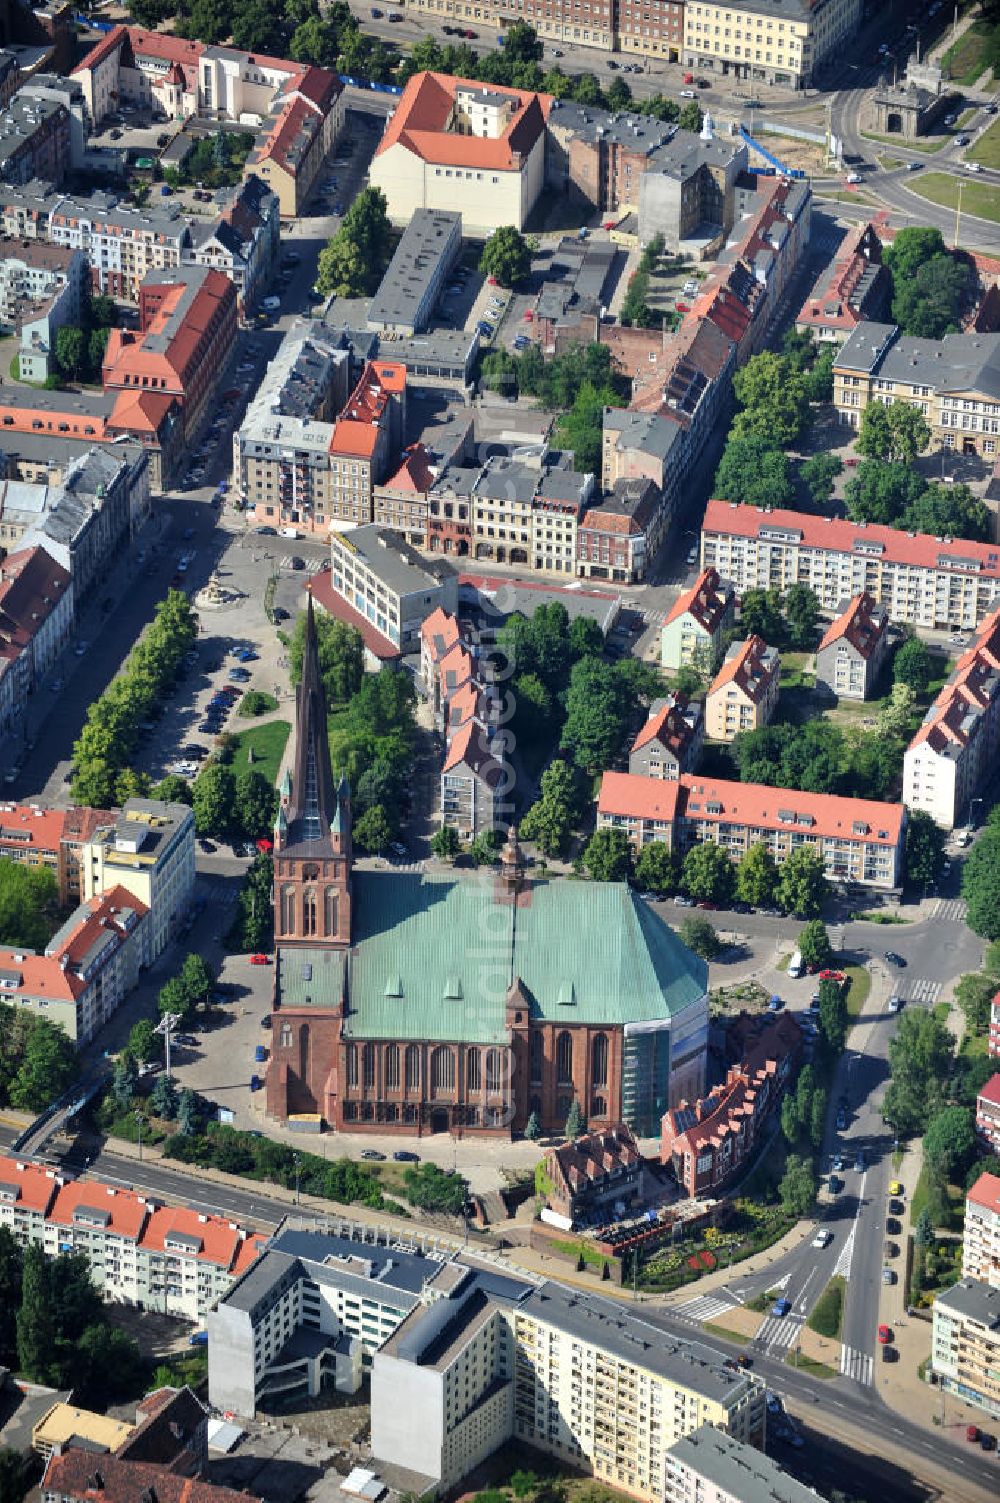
(975, 1299)
(400, 567)
(737, 1469)
(432, 236)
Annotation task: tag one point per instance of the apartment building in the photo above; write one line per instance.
(859, 840)
(558, 20)
(456, 145)
(671, 740)
(691, 383)
(26, 1193)
(149, 851)
(36, 619)
(243, 242)
(709, 1466)
(76, 1475)
(84, 522)
(415, 277)
(651, 28)
(965, 1345)
(854, 289)
(850, 656)
(954, 381)
(34, 140)
(930, 582)
(365, 437)
(994, 1034)
(595, 1174)
(743, 696)
(774, 41)
(389, 584)
(692, 633)
(305, 120)
(953, 753)
(981, 1235)
(566, 1372)
(281, 451)
(184, 345)
(619, 536)
(53, 838)
(988, 1115)
(474, 781)
(88, 967)
(402, 501)
(41, 289)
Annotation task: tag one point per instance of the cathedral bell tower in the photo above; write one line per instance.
(312, 832)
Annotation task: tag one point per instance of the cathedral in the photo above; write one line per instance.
(420, 1003)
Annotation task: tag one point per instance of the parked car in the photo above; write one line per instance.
(406, 1156)
(373, 1155)
(884, 1335)
(259, 959)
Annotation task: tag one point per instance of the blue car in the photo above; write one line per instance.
(781, 1307)
(247, 655)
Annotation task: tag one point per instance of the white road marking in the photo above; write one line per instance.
(856, 1365)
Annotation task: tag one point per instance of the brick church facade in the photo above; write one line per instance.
(419, 1004)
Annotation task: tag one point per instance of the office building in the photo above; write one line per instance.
(709, 1466)
(389, 583)
(743, 695)
(859, 840)
(951, 757)
(931, 582)
(786, 42)
(852, 651)
(149, 851)
(981, 1233)
(692, 633)
(470, 148)
(953, 381)
(671, 740)
(965, 1345)
(415, 277)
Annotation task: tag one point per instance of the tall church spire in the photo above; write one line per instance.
(312, 804)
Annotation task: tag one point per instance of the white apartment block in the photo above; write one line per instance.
(981, 1239)
(711, 1467)
(150, 852)
(931, 582)
(953, 754)
(965, 1343)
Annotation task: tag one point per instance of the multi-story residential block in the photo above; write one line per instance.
(557, 20)
(402, 501)
(281, 451)
(619, 536)
(88, 968)
(641, 446)
(776, 41)
(243, 242)
(70, 1477)
(389, 583)
(953, 753)
(440, 634)
(965, 1345)
(84, 522)
(709, 1466)
(34, 141)
(365, 439)
(691, 383)
(305, 119)
(708, 1141)
(850, 656)
(36, 618)
(954, 382)
(415, 277)
(928, 581)
(53, 838)
(981, 1235)
(671, 740)
(860, 840)
(26, 1194)
(41, 289)
(988, 1114)
(150, 852)
(593, 1173)
(184, 346)
(475, 781)
(994, 1034)
(743, 696)
(466, 147)
(854, 289)
(651, 28)
(692, 632)
(553, 1368)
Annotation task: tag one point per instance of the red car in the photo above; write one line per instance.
(265, 845)
(972, 1434)
(884, 1335)
(260, 960)
(829, 975)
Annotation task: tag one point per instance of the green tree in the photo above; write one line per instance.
(256, 27)
(924, 848)
(950, 1142)
(71, 351)
(974, 994)
(833, 1016)
(144, 1044)
(506, 256)
(123, 1081)
(814, 944)
(340, 652)
(818, 473)
(895, 434)
(213, 800)
(817, 1117)
(881, 492)
(173, 789)
(981, 885)
(575, 1124)
(709, 875)
(207, 21)
(658, 869)
(691, 117)
(753, 471)
(49, 1066)
(757, 877)
(107, 1365)
(772, 394)
(314, 41)
(196, 979)
(533, 1128)
(35, 1325)
(920, 1057)
(97, 343)
(912, 665)
(10, 1295)
(608, 856)
(485, 849)
(174, 998)
(255, 803)
(910, 249)
(802, 884)
(896, 714)
(373, 832)
(595, 715)
(550, 821)
(188, 1113)
(700, 936)
(948, 511)
(445, 843)
(579, 430)
(797, 1187)
(29, 905)
(802, 616)
(761, 614)
(791, 1126)
(163, 1098)
(930, 305)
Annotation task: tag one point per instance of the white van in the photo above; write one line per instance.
(795, 966)
(272, 304)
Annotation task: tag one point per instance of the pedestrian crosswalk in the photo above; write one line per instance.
(856, 1365)
(952, 909)
(705, 1307)
(779, 1333)
(922, 991)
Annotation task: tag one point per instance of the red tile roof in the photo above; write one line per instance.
(107, 1479)
(109, 43)
(40, 977)
(440, 631)
(986, 1192)
(918, 549)
(990, 1092)
(126, 1209)
(972, 686)
(753, 668)
(421, 118)
(638, 797)
(705, 600)
(357, 428)
(219, 1239)
(863, 623)
(469, 747)
(36, 1187)
(321, 589)
(765, 808)
(28, 827)
(668, 726)
(249, 1252)
(415, 474)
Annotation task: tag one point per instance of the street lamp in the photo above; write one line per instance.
(297, 1160)
(138, 1123)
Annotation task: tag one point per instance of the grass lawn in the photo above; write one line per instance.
(922, 144)
(810, 1366)
(876, 916)
(978, 199)
(918, 1199)
(966, 59)
(713, 1330)
(268, 743)
(860, 986)
(941, 1011)
(987, 148)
